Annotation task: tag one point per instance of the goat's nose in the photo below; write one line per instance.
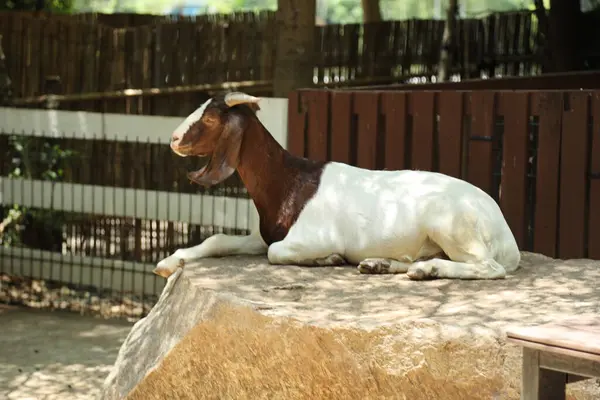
(175, 138)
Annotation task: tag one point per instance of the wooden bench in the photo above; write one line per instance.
(556, 354)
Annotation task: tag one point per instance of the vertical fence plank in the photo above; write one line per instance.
(14, 54)
(318, 122)
(33, 74)
(393, 106)
(341, 117)
(573, 169)
(297, 111)
(548, 106)
(480, 159)
(513, 197)
(422, 106)
(594, 202)
(70, 71)
(366, 109)
(451, 113)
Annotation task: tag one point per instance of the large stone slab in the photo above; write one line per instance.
(238, 328)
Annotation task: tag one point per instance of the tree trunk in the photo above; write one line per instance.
(564, 39)
(5, 82)
(448, 42)
(542, 34)
(294, 59)
(371, 11)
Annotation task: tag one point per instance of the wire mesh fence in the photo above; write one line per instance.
(91, 202)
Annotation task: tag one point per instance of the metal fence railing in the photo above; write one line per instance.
(90, 202)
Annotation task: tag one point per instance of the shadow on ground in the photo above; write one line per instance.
(55, 355)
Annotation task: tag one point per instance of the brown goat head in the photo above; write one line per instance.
(216, 130)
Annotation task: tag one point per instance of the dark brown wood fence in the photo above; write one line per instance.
(87, 53)
(77, 57)
(536, 152)
(552, 81)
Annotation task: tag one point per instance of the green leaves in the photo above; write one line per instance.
(61, 6)
(33, 158)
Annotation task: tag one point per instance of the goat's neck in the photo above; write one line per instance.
(278, 182)
(262, 160)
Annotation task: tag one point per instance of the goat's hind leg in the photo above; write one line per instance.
(382, 266)
(447, 269)
(330, 260)
(469, 257)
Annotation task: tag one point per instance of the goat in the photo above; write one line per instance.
(313, 213)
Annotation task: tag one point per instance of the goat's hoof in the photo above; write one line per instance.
(416, 274)
(374, 266)
(434, 272)
(332, 259)
(165, 272)
(422, 272)
(168, 266)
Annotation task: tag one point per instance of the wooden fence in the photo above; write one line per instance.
(551, 81)
(89, 57)
(536, 152)
(84, 54)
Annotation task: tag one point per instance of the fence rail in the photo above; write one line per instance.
(553, 81)
(106, 232)
(226, 212)
(537, 153)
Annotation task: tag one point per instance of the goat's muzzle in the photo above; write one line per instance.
(182, 151)
(175, 140)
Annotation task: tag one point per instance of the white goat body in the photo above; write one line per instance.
(401, 217)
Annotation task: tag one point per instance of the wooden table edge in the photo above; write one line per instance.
(525, 333)
(555, 349)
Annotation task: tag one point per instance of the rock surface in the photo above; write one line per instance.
(237, 328)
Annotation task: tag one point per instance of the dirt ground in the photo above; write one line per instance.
(55, 355)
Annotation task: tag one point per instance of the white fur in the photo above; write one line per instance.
(189, 121)
(215, 246)
(386, 222)
(402, 216)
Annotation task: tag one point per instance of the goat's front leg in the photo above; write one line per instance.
(296, 253)
(218, 245)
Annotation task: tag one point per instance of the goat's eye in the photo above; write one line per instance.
(210, 119)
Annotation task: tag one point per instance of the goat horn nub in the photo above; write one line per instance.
(235, 98)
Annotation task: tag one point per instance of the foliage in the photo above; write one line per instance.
(228, 6)
(63, 6)
(33, 158)
(329, 11)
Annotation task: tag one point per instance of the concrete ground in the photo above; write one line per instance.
(55, 355)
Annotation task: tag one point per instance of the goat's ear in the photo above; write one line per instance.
(225, 158)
